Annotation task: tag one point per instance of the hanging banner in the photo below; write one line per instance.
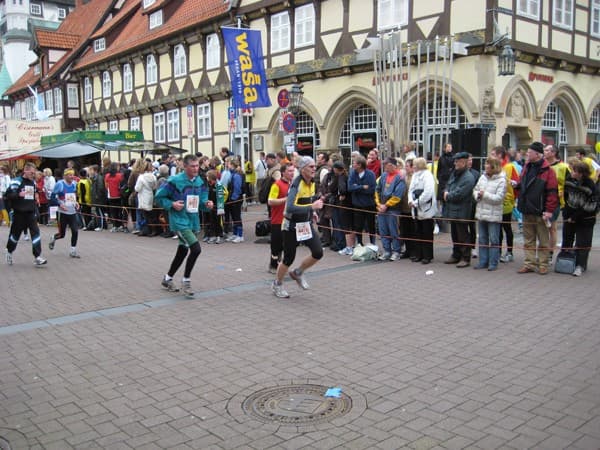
(246, 68)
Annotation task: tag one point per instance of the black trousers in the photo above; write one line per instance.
(276, 245)
(408, 233)
(423, 245)
(71, 221)
(507, 228)
(581, 233)
(461, 240)
(23, 221)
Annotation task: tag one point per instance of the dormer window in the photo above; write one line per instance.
(148, 3)
(99, 45)
(36, 69)
(156, 19)
(62, 13)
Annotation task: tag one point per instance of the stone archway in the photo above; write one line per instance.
(573, 111)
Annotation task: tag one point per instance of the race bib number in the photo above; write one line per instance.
(191, 203)
(29, 192)
(303, 231)
(70, 198)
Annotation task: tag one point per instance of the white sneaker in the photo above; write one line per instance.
(8, 257)
(98, 229)
(300, 279)
(384, 256)
(74, 254)
(395, 256)
(229, 237)
(210, 240)
(175, 236)
(346, 251)
(26, 237)
(279, 291)
(39, 261)
(508, 257)
(578, 271)
(436, 229)
(237, 239)
(186, 287)
(219, 240)
(169, 285)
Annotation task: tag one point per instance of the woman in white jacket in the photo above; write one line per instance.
(145, 186)
(421, 199)
(489, 195)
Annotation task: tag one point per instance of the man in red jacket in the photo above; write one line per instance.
(538, 198)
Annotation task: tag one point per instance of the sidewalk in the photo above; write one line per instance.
(93, 354)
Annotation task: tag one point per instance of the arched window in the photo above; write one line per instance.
(435, 123)
(151, 70)
(359, 132)
(106, 85)
(179, 61)
(127, 78)
(213, 51)
(553, 126)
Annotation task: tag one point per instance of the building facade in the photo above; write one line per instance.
(159, 66)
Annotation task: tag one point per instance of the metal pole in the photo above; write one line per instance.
(443, 99)
(435, 107)
(426, 115)
(418, 119)
(450, 77)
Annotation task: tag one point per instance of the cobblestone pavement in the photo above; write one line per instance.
(93, 354)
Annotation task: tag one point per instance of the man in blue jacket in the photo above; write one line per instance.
(458, 198)
(361, 185)
(181, 196)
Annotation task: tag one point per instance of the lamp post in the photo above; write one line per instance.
(506, 61)
(296, 94)
(506, 56)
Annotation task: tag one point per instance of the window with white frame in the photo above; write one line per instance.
(72, 96)
(41, 99)
(113, 125)
(213, 51)
(99, 45)
(280, 32)
(155, 19)
(106, 85)
(553, 122)
(58, 101)
(134, 124)
(49, 101)
(35, 9)
(391, 14)
(159, 127)
(204, 121)
(173, 125)
(179, 61)
(529, 8)
(127, 78)
(151, 70)
(87, 89)
(305, 25)
(62, 13)
(29, 110)
(17, 113)
(563, 13)
(595, 18)
(148, 3)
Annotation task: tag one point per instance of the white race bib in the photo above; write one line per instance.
(303, 231)
(191, 203)
(29, 192)
(70, 198)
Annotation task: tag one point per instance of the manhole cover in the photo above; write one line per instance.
(301, 404)
(4, 445)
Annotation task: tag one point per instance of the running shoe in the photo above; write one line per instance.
(279, 291)
(8, 257)
(51, 243)
(300, 279)
(169, 285)
(39, 261)
(186, 287)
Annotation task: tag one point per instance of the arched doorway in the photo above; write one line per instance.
(308, 139)
(593, 130)
(554, 131)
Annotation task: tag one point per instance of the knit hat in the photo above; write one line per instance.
(537, 146)
(305, 161)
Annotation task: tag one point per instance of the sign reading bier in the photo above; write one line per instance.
(246, 68)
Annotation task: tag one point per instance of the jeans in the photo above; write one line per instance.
(388, 229)
(489, 243)
(337, 234)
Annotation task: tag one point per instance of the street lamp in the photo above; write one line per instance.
(295, 95)
(506, 61)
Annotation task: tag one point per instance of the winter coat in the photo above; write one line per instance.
(582, 200)
(489, 206)
(145, 186)
(538, 194)
(422, 194)
(459, 201)
(362, 198)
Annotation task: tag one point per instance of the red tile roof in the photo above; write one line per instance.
(124, 13)
(135, 32)
(55, 39)
(27, 79)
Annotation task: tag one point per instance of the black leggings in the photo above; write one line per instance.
(290, 243)
(182, 251)
(71, 221)
(20, 223)
(507, 228)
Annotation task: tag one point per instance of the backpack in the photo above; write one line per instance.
(265, 188)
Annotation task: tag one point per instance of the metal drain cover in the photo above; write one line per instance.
(296, 404)
(303, 404)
